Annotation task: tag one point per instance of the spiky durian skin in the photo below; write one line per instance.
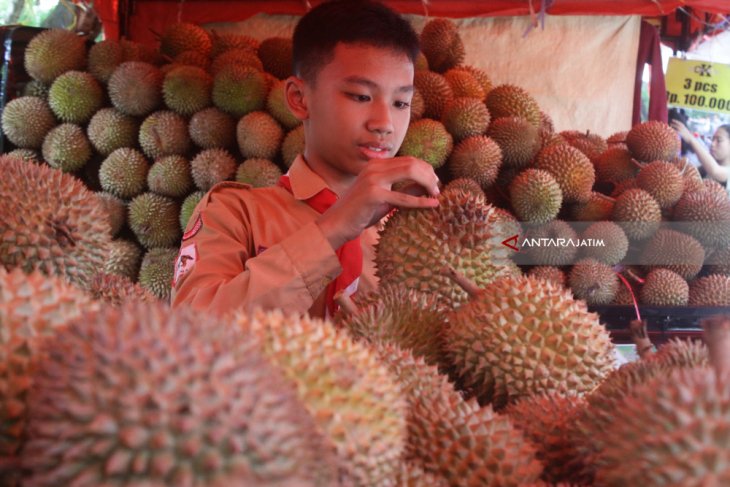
(184, 36)
(104, 57)
(170, 176)
(223, 42)
(653, 141)
(663, 287)
(477, 157)
(593, 281)
(193, 59)
(276, 56)
(259, 173)
(536, 196)
(36, 88)
(188, 205)
(277, 107)
(353, 397)
(603, 404)
(719, 262)
(236, 57)
(597, 208)
(75, 96)
(428, 140)
(393, 314)
(615, 244)
(187, 89)
(212, 166)
(28, 155)
(251, 430)
(638, 213)
(614, 165)
(464, 84)
(412, 249)
(455, 438)
(676, 251)
(212, 128)
(164, 133)
(442, 45)
(124, 173)
(706, 216)
(513, 101)
(711, 290)
(522, 336)
(571, 169)
(464, 117)
(259, 135)
(32, 306)
(124, 259)
(154, 219)
(116, 211)
(436, 93)
(518, 139)
(110, 129)
(293, 145)
(239, 90)
(157, 272)
(547, 420)
(66, 147)
(64, 232)
(549, 273)
(592, 145)
(26, 121)
(663, 181)
(53, 52)
(135, 88)
(642, 447)
(465, 184)
(553, 255)
(115, 290)
(412, 475)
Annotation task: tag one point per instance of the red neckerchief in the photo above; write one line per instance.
(349, 255)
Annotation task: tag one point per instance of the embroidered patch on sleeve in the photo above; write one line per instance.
(194, 229)
(185, 262)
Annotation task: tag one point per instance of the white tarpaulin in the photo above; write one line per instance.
(581, 69)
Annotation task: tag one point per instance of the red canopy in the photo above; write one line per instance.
(137, 18)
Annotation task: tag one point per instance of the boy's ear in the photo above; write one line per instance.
(296, 98)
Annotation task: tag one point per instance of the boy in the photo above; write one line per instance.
(296, 245)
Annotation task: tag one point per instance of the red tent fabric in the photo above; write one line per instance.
(137, 18)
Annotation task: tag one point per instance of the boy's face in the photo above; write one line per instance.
(358, 108)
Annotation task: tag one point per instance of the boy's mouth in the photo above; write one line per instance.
(375, 151)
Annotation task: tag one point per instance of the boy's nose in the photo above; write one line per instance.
(381, 120)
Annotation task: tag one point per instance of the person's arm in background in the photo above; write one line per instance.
(712, 168)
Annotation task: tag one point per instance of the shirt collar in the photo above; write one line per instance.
(305, 183)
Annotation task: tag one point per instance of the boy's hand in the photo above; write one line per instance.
(371, 197)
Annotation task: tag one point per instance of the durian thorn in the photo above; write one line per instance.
(640, 336)
(462, 281)
(716, 331)
(346, 304)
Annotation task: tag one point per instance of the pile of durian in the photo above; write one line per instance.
(462, 370)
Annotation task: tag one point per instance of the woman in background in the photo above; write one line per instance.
(716, 161)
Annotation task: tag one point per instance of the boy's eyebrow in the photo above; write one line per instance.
(359, 80)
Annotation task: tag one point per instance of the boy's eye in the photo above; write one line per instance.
(402, 105)
(357, 97)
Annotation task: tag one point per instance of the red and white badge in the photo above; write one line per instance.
(194, 229)
(185, 262)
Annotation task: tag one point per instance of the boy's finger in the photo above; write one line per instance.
(403, 200)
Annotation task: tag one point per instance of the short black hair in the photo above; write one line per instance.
(351, 22)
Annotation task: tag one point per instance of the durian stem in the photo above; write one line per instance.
(634, 277)
(346, 304)
(640, 336)
(637, 163)
(716, 331)
(462, 281)
(606, 197)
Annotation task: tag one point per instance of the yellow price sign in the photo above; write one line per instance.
(701, 85)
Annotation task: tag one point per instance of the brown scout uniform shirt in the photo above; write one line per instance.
(246, 248)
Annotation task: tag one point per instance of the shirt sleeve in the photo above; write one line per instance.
(217, 270)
